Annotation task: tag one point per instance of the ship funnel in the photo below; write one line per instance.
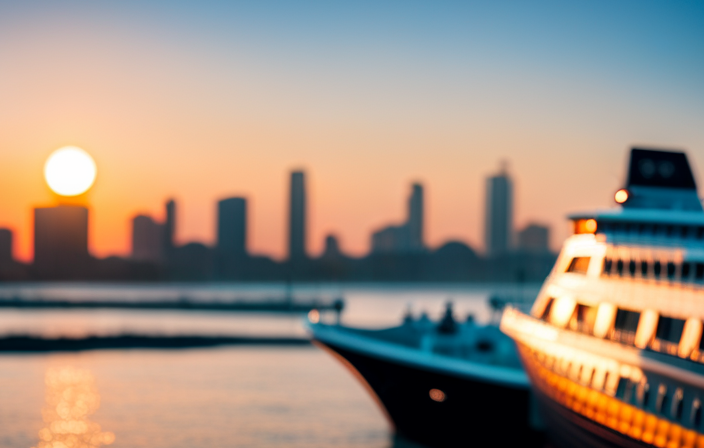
(659, 179)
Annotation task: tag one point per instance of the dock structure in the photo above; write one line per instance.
(284, 305)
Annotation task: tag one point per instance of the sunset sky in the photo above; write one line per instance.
(204, 100)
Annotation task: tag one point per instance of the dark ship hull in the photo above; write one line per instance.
(440, 404)
(570, 429)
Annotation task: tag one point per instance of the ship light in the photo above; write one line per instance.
(437, 395)
(585, 226)
(314, 316)
(621, 196)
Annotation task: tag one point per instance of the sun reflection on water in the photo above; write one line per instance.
(71, 396)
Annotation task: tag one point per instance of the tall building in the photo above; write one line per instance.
(5, 247)
(415, 218)
(297, 217)
(232, 228)
(332, 248)
(498, 229)
(169, 229)
(147, 239)
(391, 240)
(61, 241)
(534, 238)
(407, 237)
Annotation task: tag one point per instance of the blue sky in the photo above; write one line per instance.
(388, 92)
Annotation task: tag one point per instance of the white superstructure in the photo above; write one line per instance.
(613, 344)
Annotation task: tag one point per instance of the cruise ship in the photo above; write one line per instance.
(423, 373)
(613, 343)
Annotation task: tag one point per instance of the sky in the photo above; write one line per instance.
(203, 100)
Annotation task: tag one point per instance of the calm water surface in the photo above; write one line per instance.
(222, 397)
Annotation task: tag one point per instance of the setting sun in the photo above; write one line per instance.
(70, 171)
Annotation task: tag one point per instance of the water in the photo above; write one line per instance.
(221, 397)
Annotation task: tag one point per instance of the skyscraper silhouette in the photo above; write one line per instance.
(5, 247)
(534, 238)
(61, 241)
(407, 237)
(147, 239)
(498, 228)
(169, 229)
(297, 217)
(415, 218)
(232, 228)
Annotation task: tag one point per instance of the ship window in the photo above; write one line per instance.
(669, 329)
(643, 393)
(657, 229)
(699, 271)
(644, 268)
(696, 416)
(662, 400)
(656, 269)
(627, 320)
(670, 230)
(671, 270)
(700, 233)
(607, 265)
(583, 319)
(625, 326)
(685, 271)
(632, 268)
(619, 267)
(684, 231)
(677, 399)
(546, 311)
(579, 265)
(621, 388)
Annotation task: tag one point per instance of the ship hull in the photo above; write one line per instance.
(472, 409)
(567, 429)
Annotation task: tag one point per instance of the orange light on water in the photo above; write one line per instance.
(621, 196)
(71, 397)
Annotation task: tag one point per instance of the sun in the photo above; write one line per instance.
(69, 171)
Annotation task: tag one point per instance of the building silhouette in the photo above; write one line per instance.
(415, 218)
(534, 238)
(498, 228)
(6, 247)
(332, 248)
(297, 217)
(390, 239)
(232, 227)
(407, 237)
(61, 241)
(231, 249)
(147, 239)
(169, 230)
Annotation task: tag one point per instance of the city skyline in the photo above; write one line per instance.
(197, 103)
(153, 239)
(398, 251)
